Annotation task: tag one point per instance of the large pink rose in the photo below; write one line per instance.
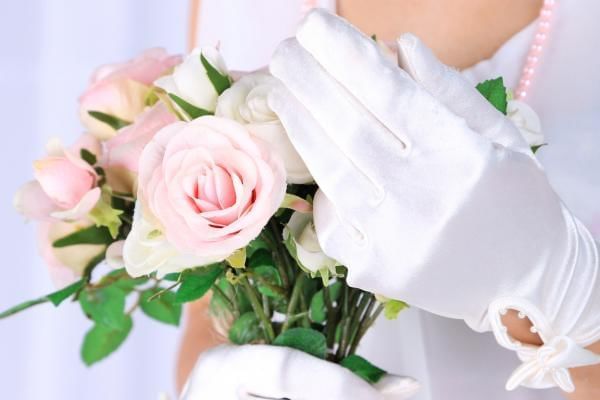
(121, 89)
(65, 186)
(210, 185)
(122, 152)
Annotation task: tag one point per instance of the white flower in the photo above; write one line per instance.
(190, 82)
(146, 249)
(246, 102)
(527, 121)
(300, 233)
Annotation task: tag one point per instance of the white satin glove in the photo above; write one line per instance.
(430, 195)
(271, 372)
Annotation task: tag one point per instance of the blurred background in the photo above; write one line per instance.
(49, 49)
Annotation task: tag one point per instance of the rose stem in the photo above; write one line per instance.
(293, 300)
(331, 318)
(367, 307)
(258, 310)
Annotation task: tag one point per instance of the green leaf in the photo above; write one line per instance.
(102, 340)
(55, 298)
(121, 279)
(392, 308)
(495, 92)
(106, 306)
(88, 157)
(219, 81)
(318, 309)
(534, 149)
(162, 307)
(90, 235)
(61, 295)
(191, 110)
(303, 339)
(195, 285)
(268, 281)
(246, 329)
(363, 368)
(256, 245)
(114, 122)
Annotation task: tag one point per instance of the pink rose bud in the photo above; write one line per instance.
(65, 186)
(120, 90)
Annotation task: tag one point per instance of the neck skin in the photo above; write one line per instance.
(460, 32)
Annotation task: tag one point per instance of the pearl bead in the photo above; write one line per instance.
(536, 48)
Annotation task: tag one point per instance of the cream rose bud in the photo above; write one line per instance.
(190, 81)
(65, 264)
(301, 231)
(527, 121)
(206, 188)
(246, 101)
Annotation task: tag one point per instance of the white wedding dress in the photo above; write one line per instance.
(450, 360)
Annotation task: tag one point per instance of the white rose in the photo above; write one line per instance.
(301, 231)
(246, 102)
(527, 120)
(146, 249)
(190, 82)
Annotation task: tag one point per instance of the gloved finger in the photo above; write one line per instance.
(456, 93)
(352, 128)
(376, 82)
(336, 174)
(342, 240)
(394, 387)
(292, 374)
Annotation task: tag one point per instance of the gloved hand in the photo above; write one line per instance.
(271, 372)
(430, 195)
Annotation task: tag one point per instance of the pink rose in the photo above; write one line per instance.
(209, 186)
(123, 151)
(65, 264)
(121, 89)
(65, 186)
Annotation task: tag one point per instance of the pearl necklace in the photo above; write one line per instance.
(535, 50)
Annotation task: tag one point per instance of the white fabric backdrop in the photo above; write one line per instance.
(49, 49)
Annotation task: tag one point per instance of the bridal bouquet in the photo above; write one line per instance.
(185, 183)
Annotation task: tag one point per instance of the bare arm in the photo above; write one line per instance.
(198, 335)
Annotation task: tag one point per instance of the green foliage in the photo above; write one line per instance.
(303, 339)
(55, 298)
(88, 157)
(103, 214)
(268, 281)
(196, 283)
(392, 308)
(246, 329)
(191, 110)
(363, 368)
(256, 245)
(106, 305)
(114, 122)
(90, 235)
(535, 149)
(102, 340)
(318, 309)
(162, 307)
(219, 81)
(495, 92)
